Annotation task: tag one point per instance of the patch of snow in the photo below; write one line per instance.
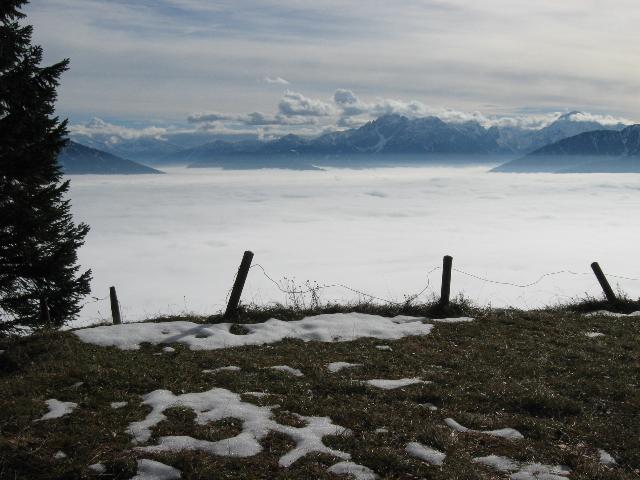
(392, 384)
(428, 454)
(257, 422)
(430, 406)
(384, 347)
(230, 368)
(509, 433)
(256, 394)
(168, 349)
(287, 369)
(338, 327)
(594, 334)
(381, 430)
(337, 366)
(98, 468)
(59, 455)
(452, 320)
(152, 470)
(77, 385)
(524, 471)
(606, 313)
(118, 404)
(359, 472)
(606, 459)
(57, 409)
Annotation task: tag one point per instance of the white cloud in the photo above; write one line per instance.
(294, 103)
(276, 80)
(208, 117)
(97, 126)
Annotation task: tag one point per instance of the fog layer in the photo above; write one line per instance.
(172, 243)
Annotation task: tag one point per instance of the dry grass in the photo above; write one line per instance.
(534, 371)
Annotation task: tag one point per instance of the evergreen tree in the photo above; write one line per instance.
(38, 239)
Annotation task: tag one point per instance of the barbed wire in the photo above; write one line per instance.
(518, 285)
(411, 298)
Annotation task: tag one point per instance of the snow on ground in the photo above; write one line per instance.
(287, 369)
(451, 320)
(337, 366)
(605, 458)
(386, 348)
(257, 422)
(430, 406)
(524, 471)
(381, 430)
(606, 313)
(428, 454)
(59, 455)
(57, 409)
(338, 327)
(359, 472)
(230, 368)
(510, 433)
(257, 394)
(594, 334)
(392, 384)
(98, 468)
(168, 349)
(152, 470)
(118, 404)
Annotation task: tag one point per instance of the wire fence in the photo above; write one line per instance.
(313, 289)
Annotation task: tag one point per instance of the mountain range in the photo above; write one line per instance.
(77, 159)
(389, 134)
(590, 152)
(567, 144)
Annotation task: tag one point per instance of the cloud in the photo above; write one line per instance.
(293, 103)
(96, 126)
(601, 119)
(208, 117)
(276, 80)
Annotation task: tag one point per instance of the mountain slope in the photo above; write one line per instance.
(77, 159)
(597, 151)
(519, 140)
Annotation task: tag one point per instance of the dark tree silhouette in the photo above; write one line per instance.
(38, 239)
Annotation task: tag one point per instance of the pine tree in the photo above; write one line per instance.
(38, 239)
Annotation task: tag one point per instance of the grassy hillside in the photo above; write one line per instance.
(535, 371)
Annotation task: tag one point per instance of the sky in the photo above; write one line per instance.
(280, 65)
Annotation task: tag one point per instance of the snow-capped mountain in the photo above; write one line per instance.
(597, 151)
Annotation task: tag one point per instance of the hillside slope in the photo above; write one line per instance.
(544, 391)
(599, 151)
(77, 159)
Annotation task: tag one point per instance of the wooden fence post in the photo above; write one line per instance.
(45, 316)
(115, 306)
(238, 285)
(604, 283)
(445, 291)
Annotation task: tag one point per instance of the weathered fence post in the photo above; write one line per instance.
(115, 306)
(445, 291)
(238, 285)
(604, 283)
(45, 316)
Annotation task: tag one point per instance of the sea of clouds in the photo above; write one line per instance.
(172, 243)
